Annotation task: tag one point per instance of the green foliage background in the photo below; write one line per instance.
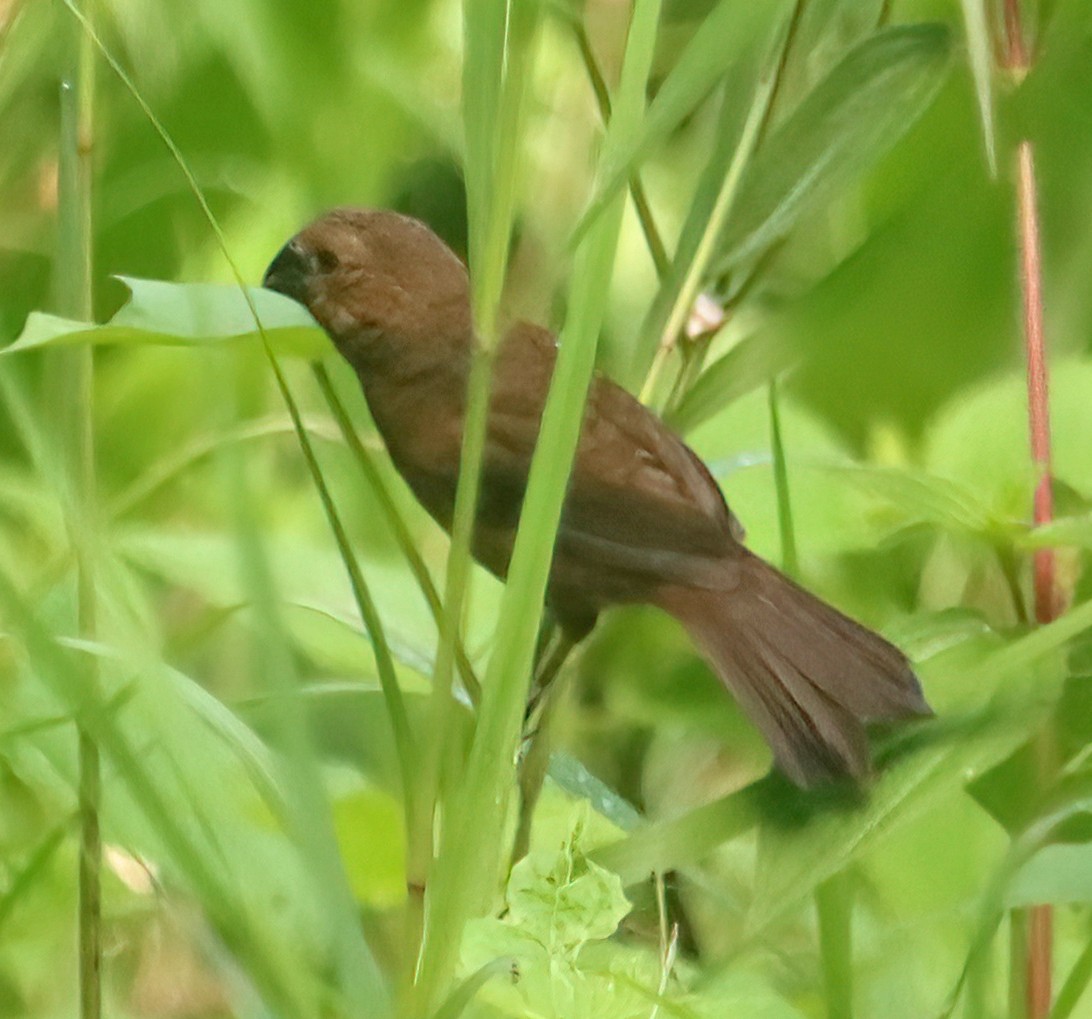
(252, 795)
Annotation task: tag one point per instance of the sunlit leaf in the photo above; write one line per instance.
(182, 314)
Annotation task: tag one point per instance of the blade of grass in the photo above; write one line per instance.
(357, 965)
(692, 265)
(226, 909)
(738, 136)
(397, 524)
(471, 839)
(22, 880)
(979, 53)
(75, 380)
(1075, 985)
(499, 55)
(359, 977)
(727, 32)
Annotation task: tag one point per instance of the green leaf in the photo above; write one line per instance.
(684, 840)
(576, 780)
(924, 497)
(1075, 531)
(560, 907)
(851, 118)
(184, 314)
(466, 990)
(564, 899)
(1056, 874)
(749, 364)
(980, 56)
(1025, 678)
(724, 36)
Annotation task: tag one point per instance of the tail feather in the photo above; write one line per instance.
(807, 675)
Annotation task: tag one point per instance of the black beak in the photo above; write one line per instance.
(289, 272)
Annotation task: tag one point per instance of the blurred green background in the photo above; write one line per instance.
(897, 300)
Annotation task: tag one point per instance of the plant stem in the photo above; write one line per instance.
(1040, 919)
(1038, 396)
(464, 880)
(74, 298)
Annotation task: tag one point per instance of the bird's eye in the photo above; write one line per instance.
(326, 259)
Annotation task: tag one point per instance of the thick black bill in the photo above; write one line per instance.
(288, 272)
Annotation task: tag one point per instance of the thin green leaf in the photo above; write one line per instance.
(668, 845)
(465, 992)
(23, 879)
(727, 33)
(1074, 531)
(980, 54)
(752, 362)
(924, 496)
(471, 842)
(851, 118)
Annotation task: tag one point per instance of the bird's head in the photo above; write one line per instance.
(377, 282)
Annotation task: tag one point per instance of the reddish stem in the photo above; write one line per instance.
(1017, 57)
(1038, 406)
(1040, 944)
(1017, 60)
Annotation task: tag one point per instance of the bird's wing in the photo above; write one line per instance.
(639, 500)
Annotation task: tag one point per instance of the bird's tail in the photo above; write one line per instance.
(808, 676)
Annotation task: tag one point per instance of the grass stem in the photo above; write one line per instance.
(75, 372)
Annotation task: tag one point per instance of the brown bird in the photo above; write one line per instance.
(644, 520)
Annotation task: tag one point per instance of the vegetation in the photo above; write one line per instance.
(262, 742)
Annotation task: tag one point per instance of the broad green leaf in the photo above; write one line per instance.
(560, 907)
(850, 119)
(183, 314)
(371, 835)
(980, 440)
(923, 497)
(564, 899)
(1075, 531)
(1056, 874)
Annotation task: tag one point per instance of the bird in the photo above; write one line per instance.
(643, 522)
